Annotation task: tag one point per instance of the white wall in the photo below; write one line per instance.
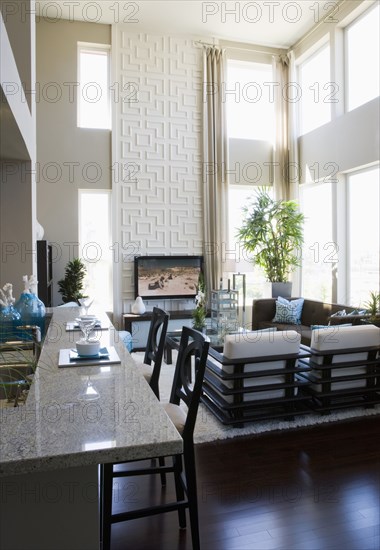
(157, 147)
(68, 158)
(350, 141)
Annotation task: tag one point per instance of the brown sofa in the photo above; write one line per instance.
(313, 313)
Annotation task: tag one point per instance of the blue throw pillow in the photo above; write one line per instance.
(288, 312)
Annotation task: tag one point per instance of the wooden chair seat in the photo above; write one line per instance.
(177, 415)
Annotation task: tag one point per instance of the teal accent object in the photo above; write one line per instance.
(126, 338)
(32, 311)
(10, 319)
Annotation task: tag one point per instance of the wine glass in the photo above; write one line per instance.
(86, 303)
(86, 326)
(90, 393)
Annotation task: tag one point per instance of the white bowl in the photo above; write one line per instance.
(88, 349)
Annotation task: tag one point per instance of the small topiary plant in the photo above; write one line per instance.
(71, 286)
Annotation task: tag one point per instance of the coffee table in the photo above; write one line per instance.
(173, 339)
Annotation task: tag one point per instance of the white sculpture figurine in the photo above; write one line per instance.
(138, 307)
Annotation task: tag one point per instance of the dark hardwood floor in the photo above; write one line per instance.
(315, 488)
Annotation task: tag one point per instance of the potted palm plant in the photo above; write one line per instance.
(373, 308)
(272, 231)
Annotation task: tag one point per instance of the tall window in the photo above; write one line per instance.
(94, 86)
(249, 100)
(362, 47)
(250, 116)
(320, 252)
(95, 244)
(240, 196)
(363, 234)
(316, 90)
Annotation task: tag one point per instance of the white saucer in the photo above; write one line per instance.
(87, 317)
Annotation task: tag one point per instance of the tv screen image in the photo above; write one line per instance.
(167, 276)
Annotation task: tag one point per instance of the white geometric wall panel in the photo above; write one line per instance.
(157, 147)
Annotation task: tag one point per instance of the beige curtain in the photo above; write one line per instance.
(287, 169)
(215, 184)
(286, 164)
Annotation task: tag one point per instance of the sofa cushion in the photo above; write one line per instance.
(261, 344)
(338, 338)
(288, 312)
(318, 313)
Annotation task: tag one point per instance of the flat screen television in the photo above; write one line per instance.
(167, 277)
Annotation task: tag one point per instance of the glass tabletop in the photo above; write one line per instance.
(216, 338)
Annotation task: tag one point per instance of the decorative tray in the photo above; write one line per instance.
(70, 358)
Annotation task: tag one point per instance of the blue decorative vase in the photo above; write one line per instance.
(10, 319)
(32, 311)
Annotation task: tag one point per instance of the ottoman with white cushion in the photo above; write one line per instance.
(255, 377)
(344, 367)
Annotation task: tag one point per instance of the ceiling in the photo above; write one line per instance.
(279, 23)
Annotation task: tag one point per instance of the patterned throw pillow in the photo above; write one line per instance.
(288, 312)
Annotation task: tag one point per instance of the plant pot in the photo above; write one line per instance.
(282, 289)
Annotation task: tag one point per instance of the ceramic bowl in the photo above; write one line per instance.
(88, 349)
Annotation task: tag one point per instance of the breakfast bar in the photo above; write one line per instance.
(52, 445)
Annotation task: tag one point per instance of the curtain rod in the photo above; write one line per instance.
(201, 43)
(269, 51)
(264, 51)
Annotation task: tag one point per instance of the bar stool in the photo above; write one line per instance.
(151, 365)
(193, 348)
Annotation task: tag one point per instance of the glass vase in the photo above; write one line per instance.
(32, 311)
(10, 319)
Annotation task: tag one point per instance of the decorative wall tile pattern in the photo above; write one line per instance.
(158, 147)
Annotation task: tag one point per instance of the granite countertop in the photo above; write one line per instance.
(57, 429)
